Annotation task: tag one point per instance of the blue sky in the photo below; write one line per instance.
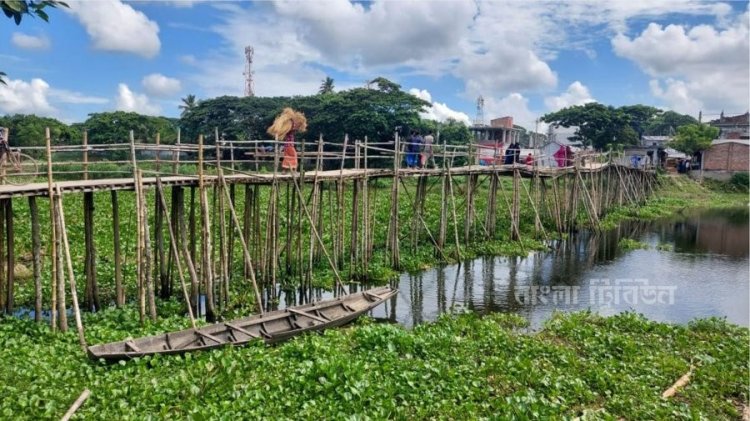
(524, 58)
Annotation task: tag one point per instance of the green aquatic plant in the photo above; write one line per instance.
(459, 367)
(631, 244)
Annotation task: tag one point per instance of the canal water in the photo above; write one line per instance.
(696, 265)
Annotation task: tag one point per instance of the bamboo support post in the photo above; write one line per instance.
(10, 254)
(119, 291)
(175, 254)
(53, 232)
(91, 293)
(36, 253)
(157, 158)
(85, 154)
(208, 273)
(245, 249)
(69, 265)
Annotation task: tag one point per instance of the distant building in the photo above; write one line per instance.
(727, 156)
(655, 141)
(736, 127)
(500, 130)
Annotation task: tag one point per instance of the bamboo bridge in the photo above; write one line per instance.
(256, 228)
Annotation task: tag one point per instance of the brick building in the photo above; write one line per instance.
(730, 155)
(735, 127)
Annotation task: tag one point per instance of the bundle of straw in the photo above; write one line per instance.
(287, 121)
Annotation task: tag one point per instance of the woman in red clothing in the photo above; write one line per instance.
(284, 127)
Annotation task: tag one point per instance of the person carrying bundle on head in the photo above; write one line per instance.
(284, 127)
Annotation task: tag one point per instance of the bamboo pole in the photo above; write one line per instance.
(159, 252)
(149, 279)
(139, 268)
(224, 255)
(53, 239)
(69, 264)
(10, 253)
(208, 272)
(77, 404)
(91, 294)
(175, 254)
(245, 250)
(36, 252)
(119, 291)
(176, 153)
(394, 229)
(157, 164)
(85, 154)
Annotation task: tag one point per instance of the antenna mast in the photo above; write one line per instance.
(479, 120)
(249, 84)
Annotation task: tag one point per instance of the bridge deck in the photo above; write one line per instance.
(77, 186)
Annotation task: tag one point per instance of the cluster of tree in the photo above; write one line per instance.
(605, 127)
(358, 112)
(29, 130)
(102, 128)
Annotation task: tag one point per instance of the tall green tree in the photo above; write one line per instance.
(17, 9)
(114, 127)
(694, 138)
(358, 112)
(640, 116)
(29, 130)
(667, 123)
(326, 87)
(597, 125)
(188, 104)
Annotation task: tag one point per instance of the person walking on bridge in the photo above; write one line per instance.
(284, 127)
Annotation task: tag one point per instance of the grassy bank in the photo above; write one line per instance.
(461, 367)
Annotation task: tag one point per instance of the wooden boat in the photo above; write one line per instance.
(271, 327)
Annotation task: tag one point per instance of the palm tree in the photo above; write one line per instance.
(189, 104)
(326, 87)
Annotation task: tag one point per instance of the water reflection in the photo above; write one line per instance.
(705, 274)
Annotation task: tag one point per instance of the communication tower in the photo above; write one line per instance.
(249, 84)
(479, 120)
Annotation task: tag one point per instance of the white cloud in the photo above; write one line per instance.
(30, 42)
(71, 97)
(115, 26)
(128, 100)
(159, 85)
(438, 111)
(189, 59)
(576, 94)
(20, 97)
(694, 67)
(495, 50)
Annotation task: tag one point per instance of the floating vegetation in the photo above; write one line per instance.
(460, 367)
(630, 244)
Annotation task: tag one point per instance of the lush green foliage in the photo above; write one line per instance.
(358, 112)
(694, 138)
(17, 9)
(29, 130)
(115, 127)
(608, 127)
(666, 123)
(462, 367)
(741, 180)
